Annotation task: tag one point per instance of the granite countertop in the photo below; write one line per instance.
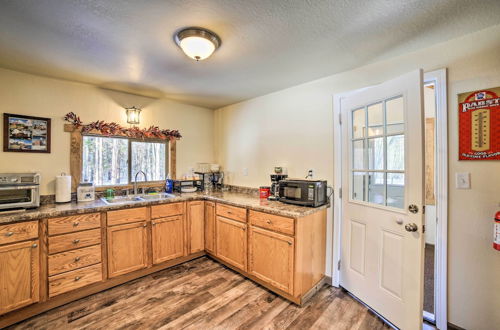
(249, 201)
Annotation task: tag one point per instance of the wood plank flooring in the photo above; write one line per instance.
(203, 294)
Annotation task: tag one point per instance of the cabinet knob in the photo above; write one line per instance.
(77, 278)
(34, 245)
(75, 224)
(268, 222)
(76, 241)
(145, 225)
(77, 259)
(153, 223)
(9, 233)
(289, 243)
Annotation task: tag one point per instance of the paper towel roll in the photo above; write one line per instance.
(63, 188)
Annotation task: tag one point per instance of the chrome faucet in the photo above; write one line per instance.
(135, 181)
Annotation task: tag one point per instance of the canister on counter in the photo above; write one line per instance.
(264, 191)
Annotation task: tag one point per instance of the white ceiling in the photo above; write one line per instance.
(267, 45)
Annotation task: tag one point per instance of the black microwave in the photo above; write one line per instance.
(303, 192)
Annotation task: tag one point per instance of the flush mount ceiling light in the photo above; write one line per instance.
(197, 43)
(133, 115)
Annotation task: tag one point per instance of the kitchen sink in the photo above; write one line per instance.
(136, 198)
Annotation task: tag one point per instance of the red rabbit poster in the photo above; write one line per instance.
(479, 125)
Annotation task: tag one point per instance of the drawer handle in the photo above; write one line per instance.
(75, 224)
(77, 259)
(268, 222)
(34, 245)
(9, 233)
(76, 241)
(77, 278)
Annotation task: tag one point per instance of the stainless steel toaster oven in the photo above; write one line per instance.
(19, 191)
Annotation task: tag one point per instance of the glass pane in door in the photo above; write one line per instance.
(358, 123)
(358, 185)
(394, 112)
(358, 155)
(376, 188)
(376, 153)
(375, 119)
(396, 152)
(396, 190)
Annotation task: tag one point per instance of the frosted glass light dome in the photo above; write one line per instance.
(197, 43)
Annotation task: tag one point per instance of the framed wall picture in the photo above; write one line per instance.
(479, 124)
(25, 133)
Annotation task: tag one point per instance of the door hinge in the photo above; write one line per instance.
(338, 265)
(340, 118)
(423, 229)
(423, 209)
(340, 193)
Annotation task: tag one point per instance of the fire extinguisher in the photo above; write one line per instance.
(496, 232)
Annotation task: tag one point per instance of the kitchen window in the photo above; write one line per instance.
(112, 161)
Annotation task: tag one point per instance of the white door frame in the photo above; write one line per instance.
(440, 282)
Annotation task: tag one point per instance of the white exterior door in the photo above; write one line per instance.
(382, 203)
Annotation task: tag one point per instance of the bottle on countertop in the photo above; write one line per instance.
(169, 185)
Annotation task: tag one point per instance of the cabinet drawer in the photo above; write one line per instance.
(74, 223)
(20, 231)
(120, 217)
(231, 212)
(74, 259)
(273, 222)
(75, 279)
(74, 241)
(166, 210)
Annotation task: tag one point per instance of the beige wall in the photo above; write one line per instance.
(294, 128)
(27, 94)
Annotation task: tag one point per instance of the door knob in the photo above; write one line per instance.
(411, 227)
(413, 208)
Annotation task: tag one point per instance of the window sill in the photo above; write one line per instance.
(155, 184)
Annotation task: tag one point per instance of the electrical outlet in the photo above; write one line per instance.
(245, 171)
(310, 173)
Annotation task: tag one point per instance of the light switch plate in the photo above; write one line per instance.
(462, 181)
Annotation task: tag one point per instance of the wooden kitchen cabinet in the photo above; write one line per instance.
(127, 248)
(231, 242)
(195, 213)
(168, 238)
(210, 227)
(19, 275)
(271, 258)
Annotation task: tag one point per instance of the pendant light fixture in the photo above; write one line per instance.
(133, 115)
(197, 43)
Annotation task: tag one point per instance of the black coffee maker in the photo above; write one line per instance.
(279, 174)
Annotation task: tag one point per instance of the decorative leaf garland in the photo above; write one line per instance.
(114, 129)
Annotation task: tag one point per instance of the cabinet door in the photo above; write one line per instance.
(168, 238)
(231, 245)
(271, 258)
(127, 248)
(196, 224)
(19, 279)
(210, 227)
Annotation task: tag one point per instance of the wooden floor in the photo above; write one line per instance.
(203, 294)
